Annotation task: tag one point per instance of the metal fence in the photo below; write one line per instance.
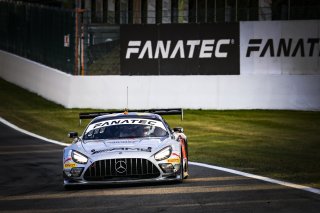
(102, 50)
(42, 34)
(102, 40)
(87, 41)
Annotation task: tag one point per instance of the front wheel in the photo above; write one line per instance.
(185, 168)
(181, 170)
(184, 171)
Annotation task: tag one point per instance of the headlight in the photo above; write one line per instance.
(163, 154)
(78, 157)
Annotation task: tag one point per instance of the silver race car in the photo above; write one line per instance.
(126, 147)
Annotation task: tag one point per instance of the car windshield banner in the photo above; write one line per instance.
(129, 121)
(180, 49)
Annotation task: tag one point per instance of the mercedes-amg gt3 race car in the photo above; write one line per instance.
(126, 147)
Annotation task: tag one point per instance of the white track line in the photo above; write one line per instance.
(266, 179)
(270, 180)
(30, 133)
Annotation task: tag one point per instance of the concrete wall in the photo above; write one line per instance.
(47, 82)
(207, 92)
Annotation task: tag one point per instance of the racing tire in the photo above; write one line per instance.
(181, 168)
(186, 169)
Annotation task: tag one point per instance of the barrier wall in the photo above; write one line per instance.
(45, 81)
(206, 92)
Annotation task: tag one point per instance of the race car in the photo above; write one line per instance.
(126, 147)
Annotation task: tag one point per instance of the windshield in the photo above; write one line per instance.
(125, 128)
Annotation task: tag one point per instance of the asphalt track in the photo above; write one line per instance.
(31, 181)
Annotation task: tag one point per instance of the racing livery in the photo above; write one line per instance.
(126, 147)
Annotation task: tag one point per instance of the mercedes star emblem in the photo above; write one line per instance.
(121, 166)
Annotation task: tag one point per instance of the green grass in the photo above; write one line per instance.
(279, 144)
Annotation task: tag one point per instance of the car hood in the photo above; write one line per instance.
(95, 148)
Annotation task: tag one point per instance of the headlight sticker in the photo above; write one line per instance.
(175, 158)
(68, 163)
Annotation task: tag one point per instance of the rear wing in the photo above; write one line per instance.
(91, 115)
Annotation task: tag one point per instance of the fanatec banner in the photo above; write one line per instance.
(178, 49)
(280, 47)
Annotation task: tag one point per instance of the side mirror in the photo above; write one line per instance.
(72, 134)
(178, 129)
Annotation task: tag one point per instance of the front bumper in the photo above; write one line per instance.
(124, 170)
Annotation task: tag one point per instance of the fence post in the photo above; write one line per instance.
(76, 48)
(79, 53)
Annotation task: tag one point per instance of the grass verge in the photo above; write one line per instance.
(278, 144)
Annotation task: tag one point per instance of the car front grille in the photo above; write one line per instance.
(121, 169)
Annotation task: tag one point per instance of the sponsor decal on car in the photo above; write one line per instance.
(173, 160)
(124, 141)
(147, 122)
(69, 165)
(122, 149)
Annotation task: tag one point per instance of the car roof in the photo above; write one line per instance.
(138, 115)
